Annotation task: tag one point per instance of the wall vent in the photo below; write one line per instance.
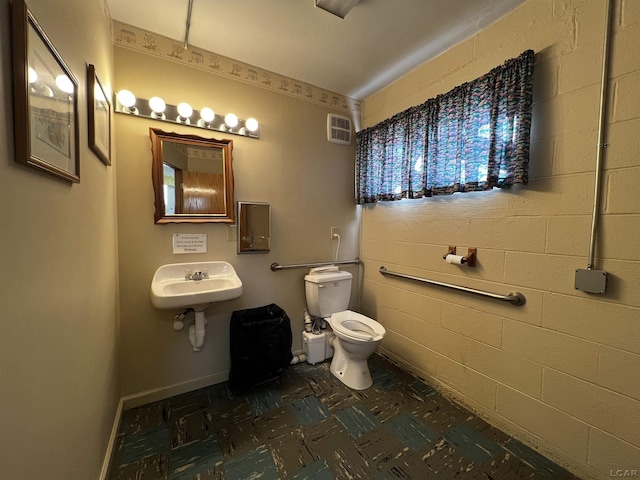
(338, 129)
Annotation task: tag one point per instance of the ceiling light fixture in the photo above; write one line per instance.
(251, 124)
(206, 117)
(231, 120)
(339, 8)
(127, 100)
(158, 106)
(183, 114)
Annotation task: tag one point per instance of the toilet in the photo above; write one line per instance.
(355, 336)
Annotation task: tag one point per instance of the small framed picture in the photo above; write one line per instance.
(45, 95)
(99, 113)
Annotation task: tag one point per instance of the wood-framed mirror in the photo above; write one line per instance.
(192, 178)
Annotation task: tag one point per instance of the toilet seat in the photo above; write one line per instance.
(356, 326)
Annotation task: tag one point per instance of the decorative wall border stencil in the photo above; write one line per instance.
(140, 40)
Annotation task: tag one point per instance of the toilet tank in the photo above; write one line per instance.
(327, 292)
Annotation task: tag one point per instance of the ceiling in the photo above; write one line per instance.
(378, 41)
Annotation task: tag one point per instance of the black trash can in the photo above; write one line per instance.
(260, 344)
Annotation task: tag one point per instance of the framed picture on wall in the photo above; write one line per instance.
(99, 113)
(45, 97)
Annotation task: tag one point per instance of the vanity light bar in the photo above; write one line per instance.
(183, 114)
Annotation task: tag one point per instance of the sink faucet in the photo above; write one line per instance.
(198, 275)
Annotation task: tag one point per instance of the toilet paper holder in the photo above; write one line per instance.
(469, 259)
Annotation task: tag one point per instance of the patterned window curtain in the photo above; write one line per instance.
(475, 137)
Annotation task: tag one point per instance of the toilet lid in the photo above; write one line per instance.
(356, 326)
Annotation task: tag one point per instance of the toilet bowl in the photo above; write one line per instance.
(356, 338)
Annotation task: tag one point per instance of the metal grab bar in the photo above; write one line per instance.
(277, 266)
(515, 298)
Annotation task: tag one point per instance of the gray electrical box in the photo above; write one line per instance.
(591, 281)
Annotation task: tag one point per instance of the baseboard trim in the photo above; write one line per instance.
(112, 441)
(155, 394)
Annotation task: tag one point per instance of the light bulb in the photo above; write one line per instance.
(33, 75)
(157, 105)
(231, 120)
(126, 98)
(64, 83)
(251, 124)
(185, 110)
(207, 115)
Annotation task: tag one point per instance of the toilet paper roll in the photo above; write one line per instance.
(454, 259)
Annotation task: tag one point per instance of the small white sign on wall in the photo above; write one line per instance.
(189, 243)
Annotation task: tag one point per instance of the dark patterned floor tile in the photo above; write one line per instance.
(307, 425)
(187, 403)
(330, 440)
(357, 420)
(291, 453)
(383, 378)
(414, 434)
(346, 462)
(440, 414)
(471, 444)
(408, 466)
(487, 430)
(199, 456)
(188, 429)
(237, 438)
(293, 387)
(540, 464)
(116, 461)
(318, 470)
(124, 472)
(219, 395)
(154, 467)
(379, 447)
(445, 461)
(420, 390)
(145, 443)
(332, 393)
(257, 464)
(505, 466)
(309, 410)
(214, 473)
(218, 417)
(383, 404)
(144, 417)
(275, 423)
(322, 437)
(265, 399)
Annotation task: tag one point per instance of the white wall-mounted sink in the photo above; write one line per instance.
(194, 285)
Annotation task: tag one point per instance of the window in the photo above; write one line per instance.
(475, 137)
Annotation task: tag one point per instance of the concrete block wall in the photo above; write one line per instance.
(561, 372)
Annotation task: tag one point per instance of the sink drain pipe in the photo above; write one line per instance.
(197, 330)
